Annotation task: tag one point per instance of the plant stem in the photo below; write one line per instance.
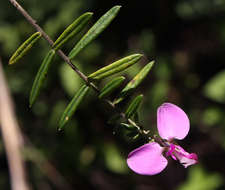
(66, 58)
(48, 39)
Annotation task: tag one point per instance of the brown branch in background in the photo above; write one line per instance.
(14, 143)
(12, 137)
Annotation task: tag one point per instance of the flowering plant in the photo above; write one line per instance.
(149, 159)
(172, 122)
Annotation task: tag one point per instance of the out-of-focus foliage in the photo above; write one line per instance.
(187, 41)
(215, 88)
(114, 160)
(70, 81)
(191, 9)
(199, 179)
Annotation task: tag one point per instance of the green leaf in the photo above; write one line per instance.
(129, 126)
(115, 67)
(111, 86)
(72, 30)
(215, 87)
(134, 82)
(24, 48)
(73, 105)
(133, 106)
(41, 75)
(95, 30)
(133, 134)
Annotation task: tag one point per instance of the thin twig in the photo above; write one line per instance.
(39, 29)
(64, 57)
(12, 137)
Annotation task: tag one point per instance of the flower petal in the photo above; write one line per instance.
(185, 158)
(147, 159)
(172, 122)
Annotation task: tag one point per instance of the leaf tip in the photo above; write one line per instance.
(152, 62)
(30, 103)
(10, 62)
(90, 13)
(122, 78)
(138, 55)
(61, 125)
(117, 6)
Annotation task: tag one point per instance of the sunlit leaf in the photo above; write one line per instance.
(111, 86)
(95, 30)
(41, 75)
(115, 67)
(73, 105)
(133, 106)
(24, 48)
(72, 30)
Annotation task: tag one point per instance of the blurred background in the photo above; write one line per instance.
(186, 38)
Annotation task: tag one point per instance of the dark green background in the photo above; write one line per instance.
(186, 38)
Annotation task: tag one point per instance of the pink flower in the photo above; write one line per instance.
(149, 159)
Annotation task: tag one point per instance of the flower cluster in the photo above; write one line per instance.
(149, 159)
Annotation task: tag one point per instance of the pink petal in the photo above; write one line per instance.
(185, 158)
(172, 122)
(147, 159)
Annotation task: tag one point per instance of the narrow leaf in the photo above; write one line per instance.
(133, 106)
(72, 30)
(24, 48)
(129, 126)
(111, 86)
(73, 105)
(136, 118)
(95, 30)
(115, 67)
(41, 75)
(134, 82)
(133, 134)
(136, 136)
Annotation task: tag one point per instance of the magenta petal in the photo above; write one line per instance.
(185, 158)
(147, 159)
(172, 122)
